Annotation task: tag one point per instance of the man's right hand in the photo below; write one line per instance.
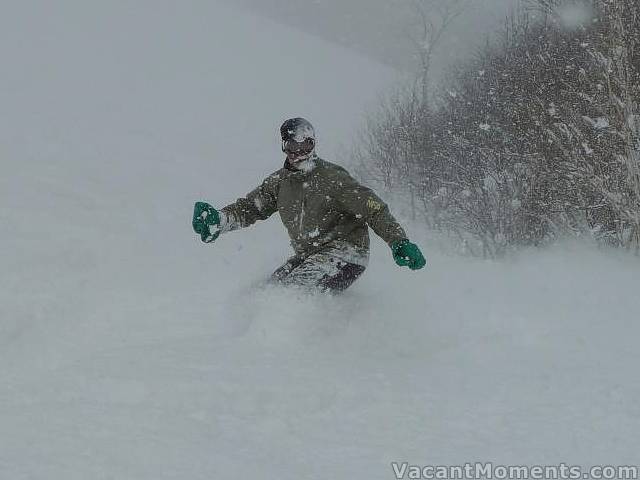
(407, 254)
(206, 222)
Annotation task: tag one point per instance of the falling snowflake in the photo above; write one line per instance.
(601, 123)
(490, 184)
(575, 14)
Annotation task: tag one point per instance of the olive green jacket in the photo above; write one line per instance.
(321, 206)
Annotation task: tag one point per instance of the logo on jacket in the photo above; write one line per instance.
(373, 205)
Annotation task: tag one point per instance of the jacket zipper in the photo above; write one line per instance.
(301, 210)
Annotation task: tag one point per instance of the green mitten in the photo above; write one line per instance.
(407, 254)
(206, 222)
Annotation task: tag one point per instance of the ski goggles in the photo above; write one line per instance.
(292, 147)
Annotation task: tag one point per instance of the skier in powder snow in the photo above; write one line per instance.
(325, 211)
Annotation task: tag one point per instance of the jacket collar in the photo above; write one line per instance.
(303, 167)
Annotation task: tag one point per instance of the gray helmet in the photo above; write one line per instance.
(297, 129)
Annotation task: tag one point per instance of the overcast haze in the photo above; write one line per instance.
(380, 28)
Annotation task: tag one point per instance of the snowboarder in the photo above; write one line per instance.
(325, 211)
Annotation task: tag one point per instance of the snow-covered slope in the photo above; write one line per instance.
(130, 350)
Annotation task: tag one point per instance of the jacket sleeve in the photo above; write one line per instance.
(362, 202)
(259, 204)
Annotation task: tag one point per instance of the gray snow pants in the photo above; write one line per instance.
(321, 271)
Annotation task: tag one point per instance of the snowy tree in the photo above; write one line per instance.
(536, 136)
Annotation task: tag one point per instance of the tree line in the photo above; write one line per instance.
(537, 136)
